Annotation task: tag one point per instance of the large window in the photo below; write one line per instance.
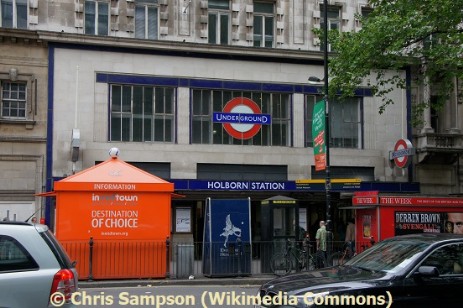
(146, 19)
(14, 14)
(206, 131)
(219, 20)
(142, 113)
(264, 18)
(345, 122)
(334, 22)
(13, 99)
(96, 17)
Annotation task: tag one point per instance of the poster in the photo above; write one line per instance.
(183, 220)
(366, 224)
(227, 237)
(318, 135)
(428, 222)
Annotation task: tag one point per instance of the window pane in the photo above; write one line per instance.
(140, 22)
(147, 129)
(126, 99)
(21, 13)
(14, 257)
(158, 129)
(261, 7)
(137, 100)
(212, 30)
(137, 128)
(152, 23)
(224, 29)
(148, 101)
(90, 17)
(169, 130)
(159, 100)
(116, 98)
(7, 13)
(169, 100)
(268, 31)
(125, 128)
(219, 4)
(116, 127)
(103, 18)
(258, 30)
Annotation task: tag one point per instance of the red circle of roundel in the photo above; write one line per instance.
(402, 161)
(234, 102)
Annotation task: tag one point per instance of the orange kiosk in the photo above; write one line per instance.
(114, 220)
(382, 216)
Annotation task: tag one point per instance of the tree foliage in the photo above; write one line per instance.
(395, 35)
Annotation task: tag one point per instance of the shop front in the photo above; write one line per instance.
(380, 216)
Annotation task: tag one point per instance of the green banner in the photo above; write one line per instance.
(318, 135)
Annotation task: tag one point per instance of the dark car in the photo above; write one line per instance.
(419, 270)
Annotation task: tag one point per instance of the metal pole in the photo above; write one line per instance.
(327, 133)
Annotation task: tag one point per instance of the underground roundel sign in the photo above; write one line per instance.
(403, 150)
(241, 118)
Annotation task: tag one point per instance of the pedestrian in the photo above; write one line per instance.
(320, 238)
(350, 236)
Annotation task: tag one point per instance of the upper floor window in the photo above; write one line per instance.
(14, 14)
(142, 113)
(146, 19)
(345, 122)
(96, 17)
(334, 21)
(13, 99)
(219, 21)
(219, 118)
(264, 19)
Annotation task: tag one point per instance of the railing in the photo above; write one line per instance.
(164, 259)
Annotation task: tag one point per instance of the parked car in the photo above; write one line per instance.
(419, 270)
(33, 266)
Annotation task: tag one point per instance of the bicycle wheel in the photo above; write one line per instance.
(337, 258)
(281, 264)
(309, 264)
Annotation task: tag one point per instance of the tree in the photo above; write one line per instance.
(395, 35)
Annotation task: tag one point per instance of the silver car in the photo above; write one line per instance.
(34, 268)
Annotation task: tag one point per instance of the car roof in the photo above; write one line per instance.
(429, 237)
(38, 227)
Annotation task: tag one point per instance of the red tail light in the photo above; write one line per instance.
(64, 283)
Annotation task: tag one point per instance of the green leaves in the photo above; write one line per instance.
(395, 35)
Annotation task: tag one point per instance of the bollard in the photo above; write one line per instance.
(90, 260)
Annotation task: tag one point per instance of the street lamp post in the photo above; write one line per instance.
(327, 119)
(315, 80)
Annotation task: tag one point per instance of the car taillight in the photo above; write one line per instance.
(63, 282)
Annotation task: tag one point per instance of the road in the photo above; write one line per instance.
(168, 296)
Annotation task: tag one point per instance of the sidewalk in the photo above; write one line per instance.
(254, 280)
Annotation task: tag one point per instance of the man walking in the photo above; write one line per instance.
(321, 245)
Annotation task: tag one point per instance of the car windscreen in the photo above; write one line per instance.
(389, 256)
(57, 249)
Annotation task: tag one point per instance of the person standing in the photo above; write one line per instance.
(320, 238)
(350, 236)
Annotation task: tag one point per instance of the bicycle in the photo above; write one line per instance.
(341, 257)
(292, 259)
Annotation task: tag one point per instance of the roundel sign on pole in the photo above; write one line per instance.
(403, 150)
(241, 118)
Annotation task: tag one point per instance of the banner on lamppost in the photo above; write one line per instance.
(318, 135)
